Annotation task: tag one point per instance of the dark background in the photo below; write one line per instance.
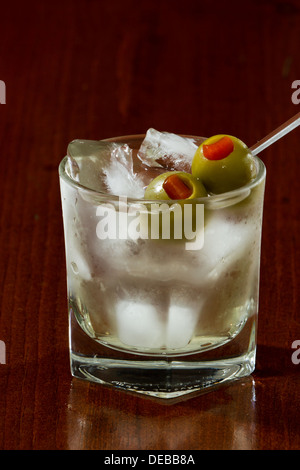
(96, 69)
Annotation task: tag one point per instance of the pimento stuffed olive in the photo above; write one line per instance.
(175, 185)
(223, 163)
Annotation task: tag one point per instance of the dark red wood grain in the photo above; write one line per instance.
(96, 69)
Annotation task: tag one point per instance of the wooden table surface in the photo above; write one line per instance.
(96, 69)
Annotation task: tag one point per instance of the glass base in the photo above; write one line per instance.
(161, 377)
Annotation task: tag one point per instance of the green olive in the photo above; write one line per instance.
(157, 189)
(170, 220)
(222, 168)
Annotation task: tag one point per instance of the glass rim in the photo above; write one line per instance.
(215, 198)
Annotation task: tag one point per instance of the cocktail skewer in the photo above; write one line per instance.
(275, 135)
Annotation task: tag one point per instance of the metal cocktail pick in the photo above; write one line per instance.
(279, 132)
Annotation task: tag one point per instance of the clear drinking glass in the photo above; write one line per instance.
(153, 315)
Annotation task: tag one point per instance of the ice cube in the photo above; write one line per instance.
(104, 167)
(77, 256)
(184, 310)
(139, 324)
(86, 160)
(225, 241)
(142, 324)
(181, 324)
(164, 149)
(120, 178)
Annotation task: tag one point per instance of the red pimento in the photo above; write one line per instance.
(176, 188)
(218, 150)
